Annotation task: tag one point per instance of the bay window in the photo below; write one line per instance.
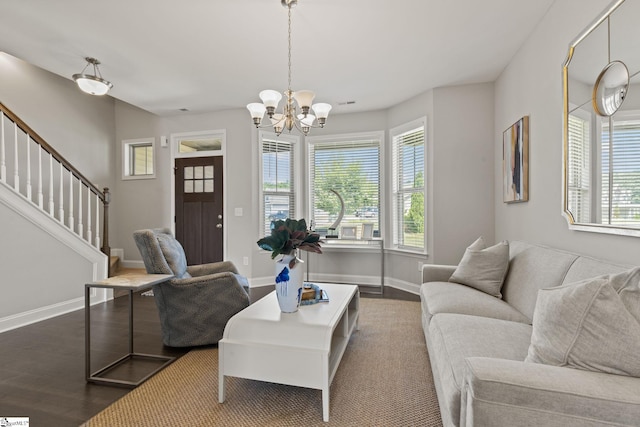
(408, 210)
(350, 166)
(278, 178)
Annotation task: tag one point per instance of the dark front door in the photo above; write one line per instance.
(199, 208)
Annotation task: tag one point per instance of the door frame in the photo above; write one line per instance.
(175, 137)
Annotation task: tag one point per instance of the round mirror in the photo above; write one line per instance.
(610, 88)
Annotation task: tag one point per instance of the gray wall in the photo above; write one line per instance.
(460, 160)
(532, 85)
(147, 203)
(38, 272)
(81, 127)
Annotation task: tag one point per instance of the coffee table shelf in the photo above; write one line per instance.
(261, 343)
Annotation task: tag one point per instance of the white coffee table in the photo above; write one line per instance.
(261, 343)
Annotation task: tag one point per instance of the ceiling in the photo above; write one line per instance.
(209, 55)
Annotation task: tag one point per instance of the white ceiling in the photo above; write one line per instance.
(208, 55)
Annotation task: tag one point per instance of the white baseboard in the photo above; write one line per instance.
(43, 313)
(131, 264)
(412, 288)
(118, 252)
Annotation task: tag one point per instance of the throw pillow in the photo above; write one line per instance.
(174, 254)
(483, 268)
(586, 325)
(627, 285)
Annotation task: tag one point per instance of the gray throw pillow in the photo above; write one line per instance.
(483, 268)
(586, 325)
(174, 254)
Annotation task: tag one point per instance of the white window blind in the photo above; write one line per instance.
(142, 159)
(579, 176)
(351, 167)
(409, 187)
(621, 172)
(278, 186)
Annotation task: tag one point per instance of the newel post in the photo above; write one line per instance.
(105, 229)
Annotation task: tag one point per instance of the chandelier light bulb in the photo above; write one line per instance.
(270, 98)
(257, 111)
(306, 120)
(322, 112)
(304, 98)
(277, 121)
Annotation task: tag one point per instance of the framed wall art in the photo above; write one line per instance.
(367, 231)
(515, 162)
(348, 232)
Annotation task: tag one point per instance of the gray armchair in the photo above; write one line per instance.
(195, 306)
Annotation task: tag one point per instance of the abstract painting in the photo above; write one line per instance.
(515, 162)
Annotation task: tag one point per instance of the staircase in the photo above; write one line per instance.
(114, 265)
(54, 228)
(34, 170)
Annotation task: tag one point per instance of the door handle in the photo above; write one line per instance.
(218, 225)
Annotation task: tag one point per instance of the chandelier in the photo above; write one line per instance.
(92, 84)
(289, 117)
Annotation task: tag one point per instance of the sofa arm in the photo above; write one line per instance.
(211, 268)
(499, 392)
(437, 272)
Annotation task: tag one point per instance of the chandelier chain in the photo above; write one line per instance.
(289, 87)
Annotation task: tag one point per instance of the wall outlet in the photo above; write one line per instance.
(238, 212)
(245, 260)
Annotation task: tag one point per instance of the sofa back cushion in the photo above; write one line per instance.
(531, 268)
(586, 268)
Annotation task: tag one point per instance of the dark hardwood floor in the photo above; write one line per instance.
(42, 365)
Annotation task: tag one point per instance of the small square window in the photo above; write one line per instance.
(138, 158)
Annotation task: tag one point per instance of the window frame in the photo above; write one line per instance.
(620, 116)
(396, 191)
(127, 165)
(296, 186)
(591, 151)
(364, 137)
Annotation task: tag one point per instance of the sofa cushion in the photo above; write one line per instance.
(511, 393)
(586, 268)
(483, 268)
(174, 254)
(454, 337)
(586, 325)
(531, 268)
(446, 297)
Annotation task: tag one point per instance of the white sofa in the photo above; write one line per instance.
(478, 344)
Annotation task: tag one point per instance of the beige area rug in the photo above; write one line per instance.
(384, 379)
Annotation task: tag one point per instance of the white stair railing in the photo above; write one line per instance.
(16, 156)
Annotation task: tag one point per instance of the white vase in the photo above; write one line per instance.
(289, 291)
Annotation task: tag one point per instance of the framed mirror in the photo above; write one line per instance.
(601, 86)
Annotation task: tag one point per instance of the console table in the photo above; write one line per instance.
(131, 283)
(357, 245)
